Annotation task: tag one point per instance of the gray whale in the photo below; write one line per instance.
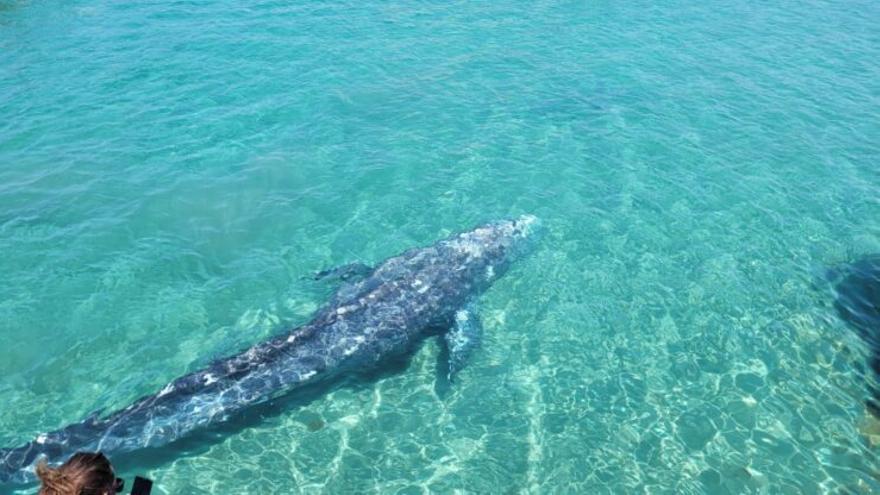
(378, 315)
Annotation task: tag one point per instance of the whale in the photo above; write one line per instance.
(377, 315)
(857, 301)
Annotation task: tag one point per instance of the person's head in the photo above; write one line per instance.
(85, 473)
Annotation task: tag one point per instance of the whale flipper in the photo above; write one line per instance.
(356, 270)
(462, 340)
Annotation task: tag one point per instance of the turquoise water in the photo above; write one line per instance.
(169, 172)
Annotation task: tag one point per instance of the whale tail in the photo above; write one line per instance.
(16, 464)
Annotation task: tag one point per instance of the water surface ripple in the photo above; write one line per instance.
(169, 171)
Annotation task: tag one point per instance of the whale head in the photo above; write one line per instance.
(512, 238)
(492, 247)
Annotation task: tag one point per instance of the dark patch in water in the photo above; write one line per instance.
(858, 303)
(312, 421)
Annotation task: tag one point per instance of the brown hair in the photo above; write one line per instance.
(85, 473)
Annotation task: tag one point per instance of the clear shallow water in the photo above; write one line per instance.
(170, 171)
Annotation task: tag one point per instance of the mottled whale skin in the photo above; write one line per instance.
(367, 322)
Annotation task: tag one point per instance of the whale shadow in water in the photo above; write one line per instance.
(857, 288)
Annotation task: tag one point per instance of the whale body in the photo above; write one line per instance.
(377, 316)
